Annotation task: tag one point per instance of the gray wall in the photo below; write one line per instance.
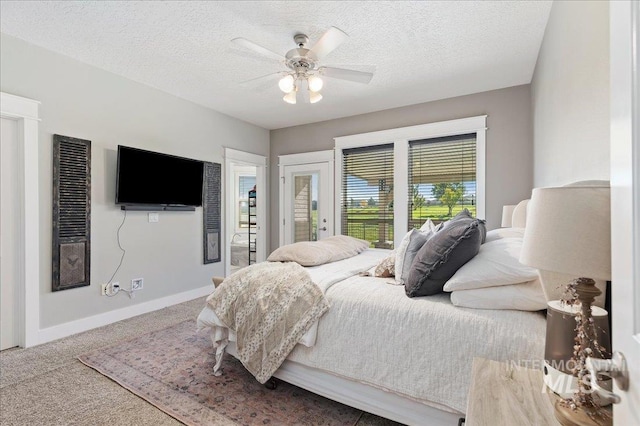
(85, 102)
(509, 141)
(570, 95)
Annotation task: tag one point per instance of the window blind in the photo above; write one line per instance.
(367, 194)
(245, 184)
(442, 178)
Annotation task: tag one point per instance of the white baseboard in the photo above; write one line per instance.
(73, 327)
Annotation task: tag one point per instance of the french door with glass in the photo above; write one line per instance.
(306, 197)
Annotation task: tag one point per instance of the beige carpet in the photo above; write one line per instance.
(47, 385)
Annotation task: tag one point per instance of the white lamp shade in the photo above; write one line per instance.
(315, 83)
(286, 84)
(507, 215)
(314, 97)
(290, 97)
(569, 231)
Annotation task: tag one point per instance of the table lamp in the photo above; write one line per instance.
(569, 232)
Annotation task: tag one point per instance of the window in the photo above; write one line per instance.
(367, 194)
(442, 178)
(424, 170)
(245, 184)
(305, 207)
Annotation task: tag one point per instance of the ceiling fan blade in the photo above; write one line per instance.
(263, 78)
(329, 41)
(344, 74)
(247, 44)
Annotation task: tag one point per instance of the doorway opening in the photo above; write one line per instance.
(245, 209)
(243, 196)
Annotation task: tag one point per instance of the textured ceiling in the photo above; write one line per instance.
(421, 51)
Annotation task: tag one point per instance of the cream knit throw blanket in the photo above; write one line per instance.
(270, 306)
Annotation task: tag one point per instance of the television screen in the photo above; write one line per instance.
(146, 177)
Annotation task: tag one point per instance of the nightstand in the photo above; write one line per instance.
(502, 394)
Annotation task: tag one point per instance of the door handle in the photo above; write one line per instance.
(324, 228)
(616, 368)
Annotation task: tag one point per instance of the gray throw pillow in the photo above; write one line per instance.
(465, 214)
(443, 254)
(417, 239)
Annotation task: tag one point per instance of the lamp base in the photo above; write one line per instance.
(565, 385)
(562, 384)
(581, 417)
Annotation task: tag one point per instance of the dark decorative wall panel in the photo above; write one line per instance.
(71, 212)
(211, 212)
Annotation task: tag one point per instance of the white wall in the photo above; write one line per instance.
(570, 95)
(509, 173)
(85, 102)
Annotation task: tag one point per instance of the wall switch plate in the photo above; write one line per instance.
(103, 289)
(154, 217)
(137, 284)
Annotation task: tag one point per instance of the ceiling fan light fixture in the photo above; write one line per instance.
(304, 68)
(290, 97)
(287, 84)
(314, 97)
(315, 83)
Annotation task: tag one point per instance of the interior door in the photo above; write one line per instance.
(307, 202)
(9, 228)
(625, 203)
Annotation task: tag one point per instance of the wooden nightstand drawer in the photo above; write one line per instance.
(502, 394)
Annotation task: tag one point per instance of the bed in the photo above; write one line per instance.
(406, 359)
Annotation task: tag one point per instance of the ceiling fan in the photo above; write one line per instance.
(304, 74)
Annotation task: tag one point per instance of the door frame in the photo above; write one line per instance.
(326, 156)
(242, 158)
(25, 112)
(625, 198)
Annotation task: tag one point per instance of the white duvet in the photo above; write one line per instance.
(420, 348)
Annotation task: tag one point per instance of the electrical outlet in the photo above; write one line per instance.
(137, 284)
(110, 289)
(154, 217)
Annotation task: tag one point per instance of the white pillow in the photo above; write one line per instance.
(496, 264)
(500, 233)
(519, 216)
(314, 253)
(409, 246)
(522, 297)
(428, 226)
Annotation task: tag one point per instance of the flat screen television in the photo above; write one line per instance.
(152, 178)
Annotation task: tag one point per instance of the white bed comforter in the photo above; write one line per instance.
(420, 348)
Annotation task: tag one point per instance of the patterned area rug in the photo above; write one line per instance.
(172, 369)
